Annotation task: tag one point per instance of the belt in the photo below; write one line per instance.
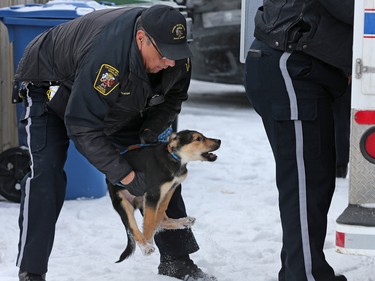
(19, 93)
(44, 84)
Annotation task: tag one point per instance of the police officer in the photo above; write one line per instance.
(122, 75)
(304, 49)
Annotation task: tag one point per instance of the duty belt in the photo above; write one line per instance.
(44, 84)
(19, 93)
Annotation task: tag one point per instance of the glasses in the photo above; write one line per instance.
(156, 47)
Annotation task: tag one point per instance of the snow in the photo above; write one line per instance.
(234, 200)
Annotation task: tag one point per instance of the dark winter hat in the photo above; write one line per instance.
(167, 27)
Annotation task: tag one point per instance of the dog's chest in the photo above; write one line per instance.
(180, 178)
(166, 187)
(180, 175)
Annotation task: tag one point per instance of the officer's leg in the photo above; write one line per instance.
(341, 111)
(176, 245)
(297, 116)
(317, 176)
(43, 189)
(305, 196)
(176, 242)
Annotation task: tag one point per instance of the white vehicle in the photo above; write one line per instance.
(355, 228)
(355, 231)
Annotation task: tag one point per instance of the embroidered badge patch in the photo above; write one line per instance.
(106, 80)
(178, 31)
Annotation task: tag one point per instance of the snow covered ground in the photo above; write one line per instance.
(234, 200)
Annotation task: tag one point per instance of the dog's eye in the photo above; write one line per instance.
(199, 139)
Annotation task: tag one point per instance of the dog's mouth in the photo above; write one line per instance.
(209, 156)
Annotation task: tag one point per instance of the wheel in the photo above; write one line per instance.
(14, 165)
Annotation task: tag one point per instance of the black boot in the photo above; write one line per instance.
(183, 268)
(27, 276)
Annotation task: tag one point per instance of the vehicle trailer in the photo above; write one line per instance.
(355, 227)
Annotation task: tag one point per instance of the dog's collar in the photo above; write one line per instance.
(174, 155)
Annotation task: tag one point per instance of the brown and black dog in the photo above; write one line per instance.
(164, 166)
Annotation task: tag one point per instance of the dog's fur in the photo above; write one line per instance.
(164, 166)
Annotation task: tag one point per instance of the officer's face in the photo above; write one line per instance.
(153, 59)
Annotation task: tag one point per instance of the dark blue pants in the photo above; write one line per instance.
(43, 189)
(293, 94)
(341, 114)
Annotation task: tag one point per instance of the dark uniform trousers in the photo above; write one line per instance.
(43, 189)
(341, 114)
(293, 94)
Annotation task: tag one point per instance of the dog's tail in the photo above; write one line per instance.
(130, 248)
(116, 202)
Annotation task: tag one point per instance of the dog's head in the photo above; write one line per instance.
(193, 146)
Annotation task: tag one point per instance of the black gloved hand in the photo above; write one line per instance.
(137, 186)
(148, 136)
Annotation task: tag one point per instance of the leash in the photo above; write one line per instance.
(136, 146)
(141, 145)
(162, 138)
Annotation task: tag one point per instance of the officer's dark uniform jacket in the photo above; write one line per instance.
(296, 25)
(111, 88)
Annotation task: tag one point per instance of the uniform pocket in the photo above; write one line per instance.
(305, 68)
(304, 128)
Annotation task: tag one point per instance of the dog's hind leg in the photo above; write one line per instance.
(146, 247)
(153, 216)
(150, 222)
(168, 223)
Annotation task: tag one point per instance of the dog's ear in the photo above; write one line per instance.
(173, 140)
(172, 137)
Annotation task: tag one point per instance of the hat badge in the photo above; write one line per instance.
(178, 32)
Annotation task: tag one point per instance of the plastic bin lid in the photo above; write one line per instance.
(55, 9)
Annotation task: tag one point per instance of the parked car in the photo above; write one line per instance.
(216, 40)
(147, 3)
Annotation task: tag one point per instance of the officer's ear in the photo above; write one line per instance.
(140, 36)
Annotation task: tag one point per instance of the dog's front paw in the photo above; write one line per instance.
(147, 248)
(189, 221)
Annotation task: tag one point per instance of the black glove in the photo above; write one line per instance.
(137, 186)
(148, 136)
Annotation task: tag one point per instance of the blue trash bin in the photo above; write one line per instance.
(24, 22)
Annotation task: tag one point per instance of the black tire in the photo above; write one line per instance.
(14, 165)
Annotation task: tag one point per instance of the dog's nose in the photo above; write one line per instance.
(218, 141)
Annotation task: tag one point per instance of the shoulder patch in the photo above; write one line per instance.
(107, 79)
